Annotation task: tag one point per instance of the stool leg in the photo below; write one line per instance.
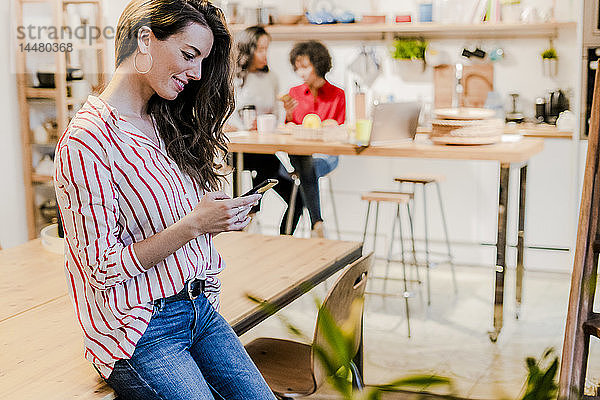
(439, 192)
(292, 206)
(390, 251)
(426, 245)
(366, 223)
(406, 293)
(376, 225)
(412, 240)
(335, 215)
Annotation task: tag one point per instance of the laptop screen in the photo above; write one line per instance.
(394, 122)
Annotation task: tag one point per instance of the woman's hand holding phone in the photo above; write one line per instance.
(217, 213)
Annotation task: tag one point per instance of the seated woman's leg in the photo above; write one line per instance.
(161, 366)
(224, 362)
(324, 164)
(310, 186)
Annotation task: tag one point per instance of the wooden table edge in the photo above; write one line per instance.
(249, 321)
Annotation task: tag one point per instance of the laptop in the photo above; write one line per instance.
(394, 123)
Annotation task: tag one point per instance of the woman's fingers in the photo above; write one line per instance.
(241, 224)
(219, 195)
(245, 201)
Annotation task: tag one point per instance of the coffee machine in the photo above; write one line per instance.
(556, 102)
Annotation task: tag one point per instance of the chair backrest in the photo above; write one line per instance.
(350, 286)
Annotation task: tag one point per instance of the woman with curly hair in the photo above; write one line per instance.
(137, 185)
(311, 61)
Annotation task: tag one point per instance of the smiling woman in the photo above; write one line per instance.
(198, 46)
(135, 181)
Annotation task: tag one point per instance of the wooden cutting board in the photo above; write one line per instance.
(477, 80)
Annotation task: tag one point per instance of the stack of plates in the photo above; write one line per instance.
(466, 126)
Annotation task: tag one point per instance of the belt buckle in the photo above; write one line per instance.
(190, 290)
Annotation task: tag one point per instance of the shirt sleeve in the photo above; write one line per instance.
(87, 198)
(213, 283)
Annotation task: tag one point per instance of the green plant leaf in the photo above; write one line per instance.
(409, 49)
(549, 53)
(541, 379)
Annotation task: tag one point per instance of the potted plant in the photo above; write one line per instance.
(550, 62)
(409, 57)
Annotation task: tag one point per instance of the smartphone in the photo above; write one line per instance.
(261, 187)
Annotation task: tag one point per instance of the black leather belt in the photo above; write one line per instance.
(192, 289)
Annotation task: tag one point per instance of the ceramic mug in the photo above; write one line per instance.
(266, 123)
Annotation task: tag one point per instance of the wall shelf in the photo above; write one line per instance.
(429, 30)
(48, 94)
(57, 97)
(38, 178)
(40, 93)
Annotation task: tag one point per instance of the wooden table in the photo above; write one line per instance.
(41, 343)
(505, 153)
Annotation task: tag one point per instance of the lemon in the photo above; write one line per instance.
(311, 121)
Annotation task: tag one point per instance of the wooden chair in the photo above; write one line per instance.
(582, 322)
(290, 367)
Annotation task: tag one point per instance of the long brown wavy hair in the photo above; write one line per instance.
(245, 46)
(192, 124)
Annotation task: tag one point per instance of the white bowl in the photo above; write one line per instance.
(51, 241)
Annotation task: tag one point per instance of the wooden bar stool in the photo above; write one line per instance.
(424, 180)
(398, 198)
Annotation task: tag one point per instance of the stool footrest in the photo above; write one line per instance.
(391, 278)
(406, 295)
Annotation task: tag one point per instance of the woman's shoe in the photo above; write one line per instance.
(317, 230)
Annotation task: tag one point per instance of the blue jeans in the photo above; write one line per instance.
(188, 352)
(324, 164)
(309, 186)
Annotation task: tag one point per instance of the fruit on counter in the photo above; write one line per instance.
(311, 121)
(329, 122)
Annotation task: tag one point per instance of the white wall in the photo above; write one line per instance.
(13, 226)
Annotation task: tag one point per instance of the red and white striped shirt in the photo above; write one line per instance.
(116, 187)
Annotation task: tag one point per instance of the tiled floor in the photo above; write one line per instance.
(450, 337)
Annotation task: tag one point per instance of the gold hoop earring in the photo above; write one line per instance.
(135, 63)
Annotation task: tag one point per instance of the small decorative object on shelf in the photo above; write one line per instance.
(550, 62)
(409, 57)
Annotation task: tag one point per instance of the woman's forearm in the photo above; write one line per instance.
(161, 245)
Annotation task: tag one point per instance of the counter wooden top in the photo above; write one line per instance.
(269, 143)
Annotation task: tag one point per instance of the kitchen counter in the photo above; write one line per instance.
(528, 129)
